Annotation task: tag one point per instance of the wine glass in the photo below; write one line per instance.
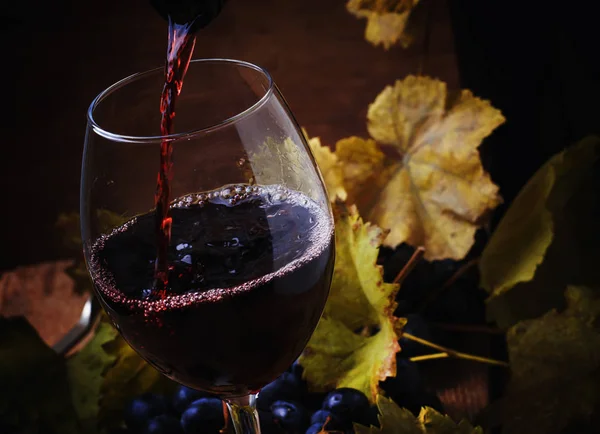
(251, 252)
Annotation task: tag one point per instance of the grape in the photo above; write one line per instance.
(424, 277)
(291, 416)
(140, 410)
(296, 370)
(335, 422)
(314, 400)
(267, 424)
(314, 429)
(393, 260)
(404, 308)
(406, 388)
(432, 400)
(369, 417)
(320, 416)
(163, 424)
(346, 402)
(287, 387)
(184, 396)
(462, 302)
(203, 416)
(418, 327)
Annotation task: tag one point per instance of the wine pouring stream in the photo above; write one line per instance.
(185, 17)
(180, 48)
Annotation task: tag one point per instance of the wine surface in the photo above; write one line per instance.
(248, 275)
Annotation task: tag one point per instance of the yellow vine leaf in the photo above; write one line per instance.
(386, 20)
(330, 168)
(396, 420)
(339, 354)
(362, 162)
(432, 191)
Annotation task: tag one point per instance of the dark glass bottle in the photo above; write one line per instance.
(198, 13)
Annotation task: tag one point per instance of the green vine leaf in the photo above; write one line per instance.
(35, 395)
(130, 376)
(339, 354)
(555, 369)
(547, 239)
(86, 371)
(396, 420)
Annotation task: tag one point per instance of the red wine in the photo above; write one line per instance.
(248, 277)
(185, 17)
(179, 53)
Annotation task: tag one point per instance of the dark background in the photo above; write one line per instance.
(537, 65)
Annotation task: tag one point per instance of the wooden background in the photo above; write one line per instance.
(67, 51)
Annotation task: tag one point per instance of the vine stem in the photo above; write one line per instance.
(453, 353)
(410, 265)
(429, 357)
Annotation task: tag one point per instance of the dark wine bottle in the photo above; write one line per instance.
(197, 13)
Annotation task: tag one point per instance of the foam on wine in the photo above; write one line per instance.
(316, 241)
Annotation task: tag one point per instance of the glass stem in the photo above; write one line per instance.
(244, 415)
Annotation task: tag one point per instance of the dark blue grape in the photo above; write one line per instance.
(320, 416)
(432, 400)
(368, 418)
(287, 387)
(291, 416)
(416, 402)
(296, 370)
(393, 260)
(404, 308)
(463, 303)
(314, 429)
(163, 424)
(267, 424)
(422, 280)
(330, 420)
(204, 416)
(184, 396)
(346, 403)
(418, 327)
(140, 410)
(314, 400)
(406, 388)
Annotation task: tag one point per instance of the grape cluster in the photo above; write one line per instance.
(461, 302)
(189, 411)
(285, 406)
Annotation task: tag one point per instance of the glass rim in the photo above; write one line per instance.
(186, 134)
